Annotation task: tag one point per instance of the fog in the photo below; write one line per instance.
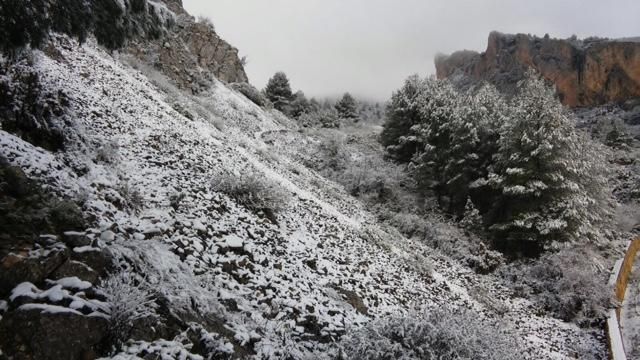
(368, 47)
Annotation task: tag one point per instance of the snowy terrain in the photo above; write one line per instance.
(291, 285)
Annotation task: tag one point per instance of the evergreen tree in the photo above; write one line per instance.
(548, 178)
(278, 91)
(23, 23)
(298, 106)
(617, 137)
(437, 109)
(347, 107)
(473, 142)
(72, 17)
(402, 114)
(314, 105)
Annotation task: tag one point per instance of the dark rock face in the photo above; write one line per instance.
(42, 334)
(586, 73)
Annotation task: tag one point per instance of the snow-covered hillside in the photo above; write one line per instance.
(246, 283)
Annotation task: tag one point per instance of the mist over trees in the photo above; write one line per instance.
(347, 107)
(313, 113)
(534, 179)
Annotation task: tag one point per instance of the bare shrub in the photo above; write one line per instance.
(131, 299)
(108, 153)
(566, 284)
(207, 21)
(431, 335)
(131, 196)
(253, 191)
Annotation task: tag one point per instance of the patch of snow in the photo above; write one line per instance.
(73, 283)
(49, 309)
(233, 241)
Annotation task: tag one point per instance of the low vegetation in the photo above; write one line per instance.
(431, 335)
(253, 191)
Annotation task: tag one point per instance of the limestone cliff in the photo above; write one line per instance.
(586, 72)
(192, 52)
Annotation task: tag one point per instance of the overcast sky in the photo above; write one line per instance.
(368, 47)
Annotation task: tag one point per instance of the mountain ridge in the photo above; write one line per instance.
(586, 72)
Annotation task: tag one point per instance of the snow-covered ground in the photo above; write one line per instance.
(285, 287)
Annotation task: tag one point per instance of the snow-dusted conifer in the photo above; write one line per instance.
(437, 110)
(347, 107)
(278, 91)
(548, 177)
(402, 114)
(472, 144)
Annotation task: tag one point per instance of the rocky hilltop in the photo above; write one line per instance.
(586, 72)
(192, 52)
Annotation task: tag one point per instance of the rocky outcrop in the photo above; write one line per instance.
(586, 72)
(192, 53)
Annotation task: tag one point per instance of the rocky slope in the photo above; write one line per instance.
(244, 283)
(191, 53)
(127, 245)
(586, 73)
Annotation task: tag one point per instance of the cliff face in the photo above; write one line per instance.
(586, 73)
(192, 52)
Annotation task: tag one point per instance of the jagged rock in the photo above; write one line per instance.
(192, 53)
(75, 239)
(586, 73)
(76, 268)
(100, 260)
(43, 333)
(352, 298)
(32, 266)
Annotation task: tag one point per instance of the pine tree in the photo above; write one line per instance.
(402, 114)
(473, 142)
(298, 106)
(548, 178)
(347, 107)
(278, 91)
(23, 23)
(438, 103)
(617, 137)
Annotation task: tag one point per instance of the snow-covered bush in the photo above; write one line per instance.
(130, 298)
(566, 284)
(326, 118)
(371, 176)
(108, 153)
(131, 195)
(250, 92)
(431, 335)
(253, 191)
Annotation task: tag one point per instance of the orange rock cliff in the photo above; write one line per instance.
(586, 72)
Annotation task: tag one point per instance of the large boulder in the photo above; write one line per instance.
(39, 331)
(32, 266)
